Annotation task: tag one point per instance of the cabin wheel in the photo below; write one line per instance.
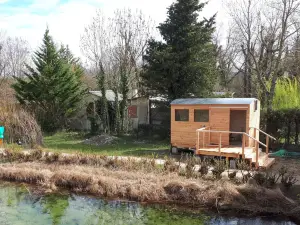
(174, 150)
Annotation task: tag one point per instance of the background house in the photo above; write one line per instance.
(142, 110)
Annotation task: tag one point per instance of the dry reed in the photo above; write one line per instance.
(139, 180)
(19, 124)
(149, 187)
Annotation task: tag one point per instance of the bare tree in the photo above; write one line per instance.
(264, 30)
(132, 31)
(14, 53)
(243, 33)
(17, 55)
(115, 46)
(282, 24)
(95, 46)
(3, 58)
(229, 66)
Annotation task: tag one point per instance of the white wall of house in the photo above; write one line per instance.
(80, 121)
(142, 111)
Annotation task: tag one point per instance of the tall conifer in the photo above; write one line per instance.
(53, 87)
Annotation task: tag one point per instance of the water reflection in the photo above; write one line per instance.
(19, 206)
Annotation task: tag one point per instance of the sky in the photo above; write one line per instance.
(66, 19)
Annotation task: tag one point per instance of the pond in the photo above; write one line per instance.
(18, 207)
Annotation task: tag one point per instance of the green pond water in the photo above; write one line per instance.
(18, 206)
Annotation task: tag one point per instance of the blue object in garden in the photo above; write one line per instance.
(2, 132)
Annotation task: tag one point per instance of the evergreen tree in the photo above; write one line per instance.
(184, 64)
(52, 88)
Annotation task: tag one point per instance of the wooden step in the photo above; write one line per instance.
(268, 163)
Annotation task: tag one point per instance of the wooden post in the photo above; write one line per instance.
(220, 143)
(243, 147)
(256, 155)
(203, 136)
(198, 144)
(255, 143)
(267, 144)
(209, 136)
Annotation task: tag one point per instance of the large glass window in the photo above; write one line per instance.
(181, 115)
(201, 115)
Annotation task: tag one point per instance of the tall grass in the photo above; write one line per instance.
(152, 186)
(19, 124)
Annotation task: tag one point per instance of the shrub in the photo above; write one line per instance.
(204, 167)
(190, 163)
(271, 179)
(219, 168)
(260, 178)
(170, 165)
(288, 180)
(245, 169)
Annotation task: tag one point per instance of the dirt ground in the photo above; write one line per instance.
(293, 166)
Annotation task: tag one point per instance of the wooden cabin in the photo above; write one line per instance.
(227, 127)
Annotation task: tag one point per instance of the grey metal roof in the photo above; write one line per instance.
(213, 101)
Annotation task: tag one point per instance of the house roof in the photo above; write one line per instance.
(110, 95)
(213, 101)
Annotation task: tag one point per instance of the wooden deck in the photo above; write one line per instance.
(236, 152)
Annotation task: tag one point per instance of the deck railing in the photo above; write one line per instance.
(268, 136)
(244, 135)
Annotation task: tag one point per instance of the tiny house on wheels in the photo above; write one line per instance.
(226, 127)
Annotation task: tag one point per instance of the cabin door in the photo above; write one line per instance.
(238, 124)
(219, 121)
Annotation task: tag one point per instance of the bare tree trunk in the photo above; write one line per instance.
(117, 126)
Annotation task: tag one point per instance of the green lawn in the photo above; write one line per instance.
(125, 146)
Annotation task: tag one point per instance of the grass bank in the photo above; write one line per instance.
(143, 181)
(124, 146)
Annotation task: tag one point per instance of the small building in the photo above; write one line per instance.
(148, 110)
(81, 121)
(227, 127)
(142, 110)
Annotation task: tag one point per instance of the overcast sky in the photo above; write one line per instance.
(67, 18)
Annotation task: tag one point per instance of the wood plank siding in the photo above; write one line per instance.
(183, 133)
(220, 120)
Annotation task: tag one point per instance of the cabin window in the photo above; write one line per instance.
(201, 115)
(181, 115)
(255, 105)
